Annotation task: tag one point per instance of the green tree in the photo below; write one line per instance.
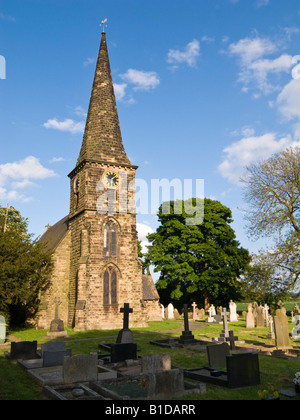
(264, 282)
(25, 268)
(272, 191)
(197, 262)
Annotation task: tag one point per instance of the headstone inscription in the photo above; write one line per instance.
(125, 335)
(282, 339)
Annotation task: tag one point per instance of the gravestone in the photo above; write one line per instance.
(282, 339)
(55, 358)
(125, 335)
(195, 315)
(260, 320)
(57, 328)
(24, 350)
(53, 353)
(250, 321)
(296, 329)
(266, 315)
(165, 384)
(176, 314)
(80, 368)
(156, 362)
(243, 370)
(170, 310)
(186, 337)
(123, 351)
(217, 355)
(212, 314)
(162, 311)
(271, 330)
(2, 329)
(232, 312)
(225, 332)
(232, 339)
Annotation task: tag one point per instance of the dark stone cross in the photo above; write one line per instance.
(126, 311)
(125, 335)
(231, 339)
(186, 337)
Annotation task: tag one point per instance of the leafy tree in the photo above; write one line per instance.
(264, 283)
(272, 191)
(197, 262)
(25, 268)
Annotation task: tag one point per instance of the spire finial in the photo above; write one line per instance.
(103, 24)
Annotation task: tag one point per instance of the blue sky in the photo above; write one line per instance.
(204, 87)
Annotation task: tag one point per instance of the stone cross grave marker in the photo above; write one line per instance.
(125, 334)
(58, 302)
(231, 340)
(126, 311)
(195, 316)
(271, 323)
(224, 314)
(186, 337)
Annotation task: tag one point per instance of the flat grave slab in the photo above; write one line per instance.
(79, 392)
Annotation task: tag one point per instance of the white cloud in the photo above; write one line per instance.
(143, 231)
(89, 61)
(261, 3)
(19, 175)
(67, 125)
(288, 100)
(248, 150)
(57, 160)
(188, 55)
(120, 90)
(249, 50)
(256, 69)
(142, 80)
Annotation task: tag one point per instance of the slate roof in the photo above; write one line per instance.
(149, 289)
(55, 234)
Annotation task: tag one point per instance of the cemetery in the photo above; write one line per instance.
(180, 358)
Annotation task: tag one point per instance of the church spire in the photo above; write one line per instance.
(102, 140)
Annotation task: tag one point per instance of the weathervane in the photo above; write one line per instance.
(103, 24)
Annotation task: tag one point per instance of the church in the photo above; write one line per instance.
(95, 248)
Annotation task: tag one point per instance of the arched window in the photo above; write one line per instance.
(110, 287)
(110, 240)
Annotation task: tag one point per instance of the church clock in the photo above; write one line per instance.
(111, 179)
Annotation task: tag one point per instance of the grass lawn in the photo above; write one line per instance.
(16, 385)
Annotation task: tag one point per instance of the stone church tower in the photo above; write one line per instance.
(95, 248)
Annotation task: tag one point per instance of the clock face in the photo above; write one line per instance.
(111, 179)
